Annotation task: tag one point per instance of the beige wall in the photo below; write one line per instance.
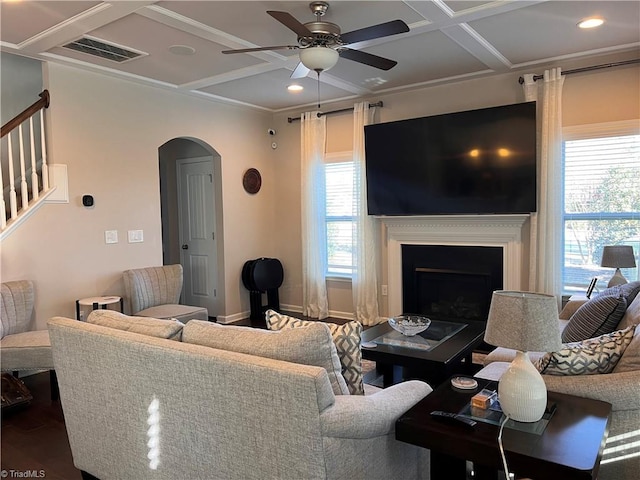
(594, 97)
(108, 132)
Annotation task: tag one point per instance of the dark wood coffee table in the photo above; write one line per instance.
(397, 363)
(569, 448)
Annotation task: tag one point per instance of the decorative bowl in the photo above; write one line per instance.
(409, 325)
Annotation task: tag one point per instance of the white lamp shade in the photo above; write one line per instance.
(319, 59)
(523, 321)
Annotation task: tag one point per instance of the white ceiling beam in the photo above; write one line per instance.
(192, 27)
(476, 45)
(230, 76)
(80, 24)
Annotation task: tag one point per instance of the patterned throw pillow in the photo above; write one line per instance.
(346, 338)
(589, 357)
(598, 316)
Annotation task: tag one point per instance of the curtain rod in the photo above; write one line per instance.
(587, 69)
(372, 105)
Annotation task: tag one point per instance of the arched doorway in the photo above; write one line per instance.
(191, 209)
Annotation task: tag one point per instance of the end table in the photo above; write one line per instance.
(96, 303)
(570, 447)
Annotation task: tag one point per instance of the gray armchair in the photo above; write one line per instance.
(21, 348)
(155, 292)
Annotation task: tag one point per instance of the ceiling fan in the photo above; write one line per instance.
(321, 43)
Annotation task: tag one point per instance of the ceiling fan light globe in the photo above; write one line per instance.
(319, 59)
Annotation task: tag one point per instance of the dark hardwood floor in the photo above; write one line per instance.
(34, 438)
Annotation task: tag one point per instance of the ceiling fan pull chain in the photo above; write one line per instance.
(318, 72)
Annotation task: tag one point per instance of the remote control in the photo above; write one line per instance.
(453, 418)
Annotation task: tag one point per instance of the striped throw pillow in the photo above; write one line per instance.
(598, 316)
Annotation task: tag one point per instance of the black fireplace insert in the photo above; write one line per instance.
(450, 282)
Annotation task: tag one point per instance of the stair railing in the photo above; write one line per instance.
(27, 195)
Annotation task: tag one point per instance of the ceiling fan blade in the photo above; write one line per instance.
(259, 49)
(291, 23)
(368, 59)
(300, 71)
(375, 31)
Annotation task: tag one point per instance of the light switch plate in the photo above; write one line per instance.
(110, 236)
(135, 236)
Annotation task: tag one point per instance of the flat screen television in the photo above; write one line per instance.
(475, 162)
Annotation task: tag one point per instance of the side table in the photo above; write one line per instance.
(570, 447)
(96, 303)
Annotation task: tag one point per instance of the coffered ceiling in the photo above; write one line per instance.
(447, 41)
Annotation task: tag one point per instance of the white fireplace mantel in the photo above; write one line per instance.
(473, 230)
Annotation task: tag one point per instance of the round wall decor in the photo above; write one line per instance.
(252, 181)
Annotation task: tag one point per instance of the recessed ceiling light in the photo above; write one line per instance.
(182, 50)
(295, 88)
(591, 22)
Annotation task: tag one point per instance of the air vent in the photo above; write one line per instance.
(99, 48)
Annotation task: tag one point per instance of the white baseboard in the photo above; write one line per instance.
(236, 317)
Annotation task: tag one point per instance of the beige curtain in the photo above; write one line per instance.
(314, 238)
(365, 251)
(545, 266)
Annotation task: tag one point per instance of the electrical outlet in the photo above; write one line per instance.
(135, 236)
(110, 236)
(384, 290)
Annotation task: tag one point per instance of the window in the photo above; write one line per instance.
(601, 200)
(339, 214)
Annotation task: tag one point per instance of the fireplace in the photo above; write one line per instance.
(502, 232)
(450, 282)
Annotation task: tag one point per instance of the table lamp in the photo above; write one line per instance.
(618, 256)
(525, 322)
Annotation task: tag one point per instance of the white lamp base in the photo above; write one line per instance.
(522, 391)
(617, 279)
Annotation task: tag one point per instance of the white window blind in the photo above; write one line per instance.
(339, 217)
(601, 204)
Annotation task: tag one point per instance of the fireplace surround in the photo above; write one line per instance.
(500, 231)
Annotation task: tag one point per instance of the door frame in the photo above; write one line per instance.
(187, 147)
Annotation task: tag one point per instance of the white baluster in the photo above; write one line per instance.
(23, 174)
(45, 167)
(34, 167)
(13, 201)
(3, 207)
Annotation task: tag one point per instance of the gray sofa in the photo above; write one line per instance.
(139, 406)
(621, 388)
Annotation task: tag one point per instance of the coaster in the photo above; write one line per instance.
(369, 344)
(464, 383)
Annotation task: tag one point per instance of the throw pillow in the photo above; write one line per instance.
(154, 327)
(589, 357)
(308, 346)
(630, 361)
(628, 291)
(596, 317)
(632, 315)
(347, 341)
